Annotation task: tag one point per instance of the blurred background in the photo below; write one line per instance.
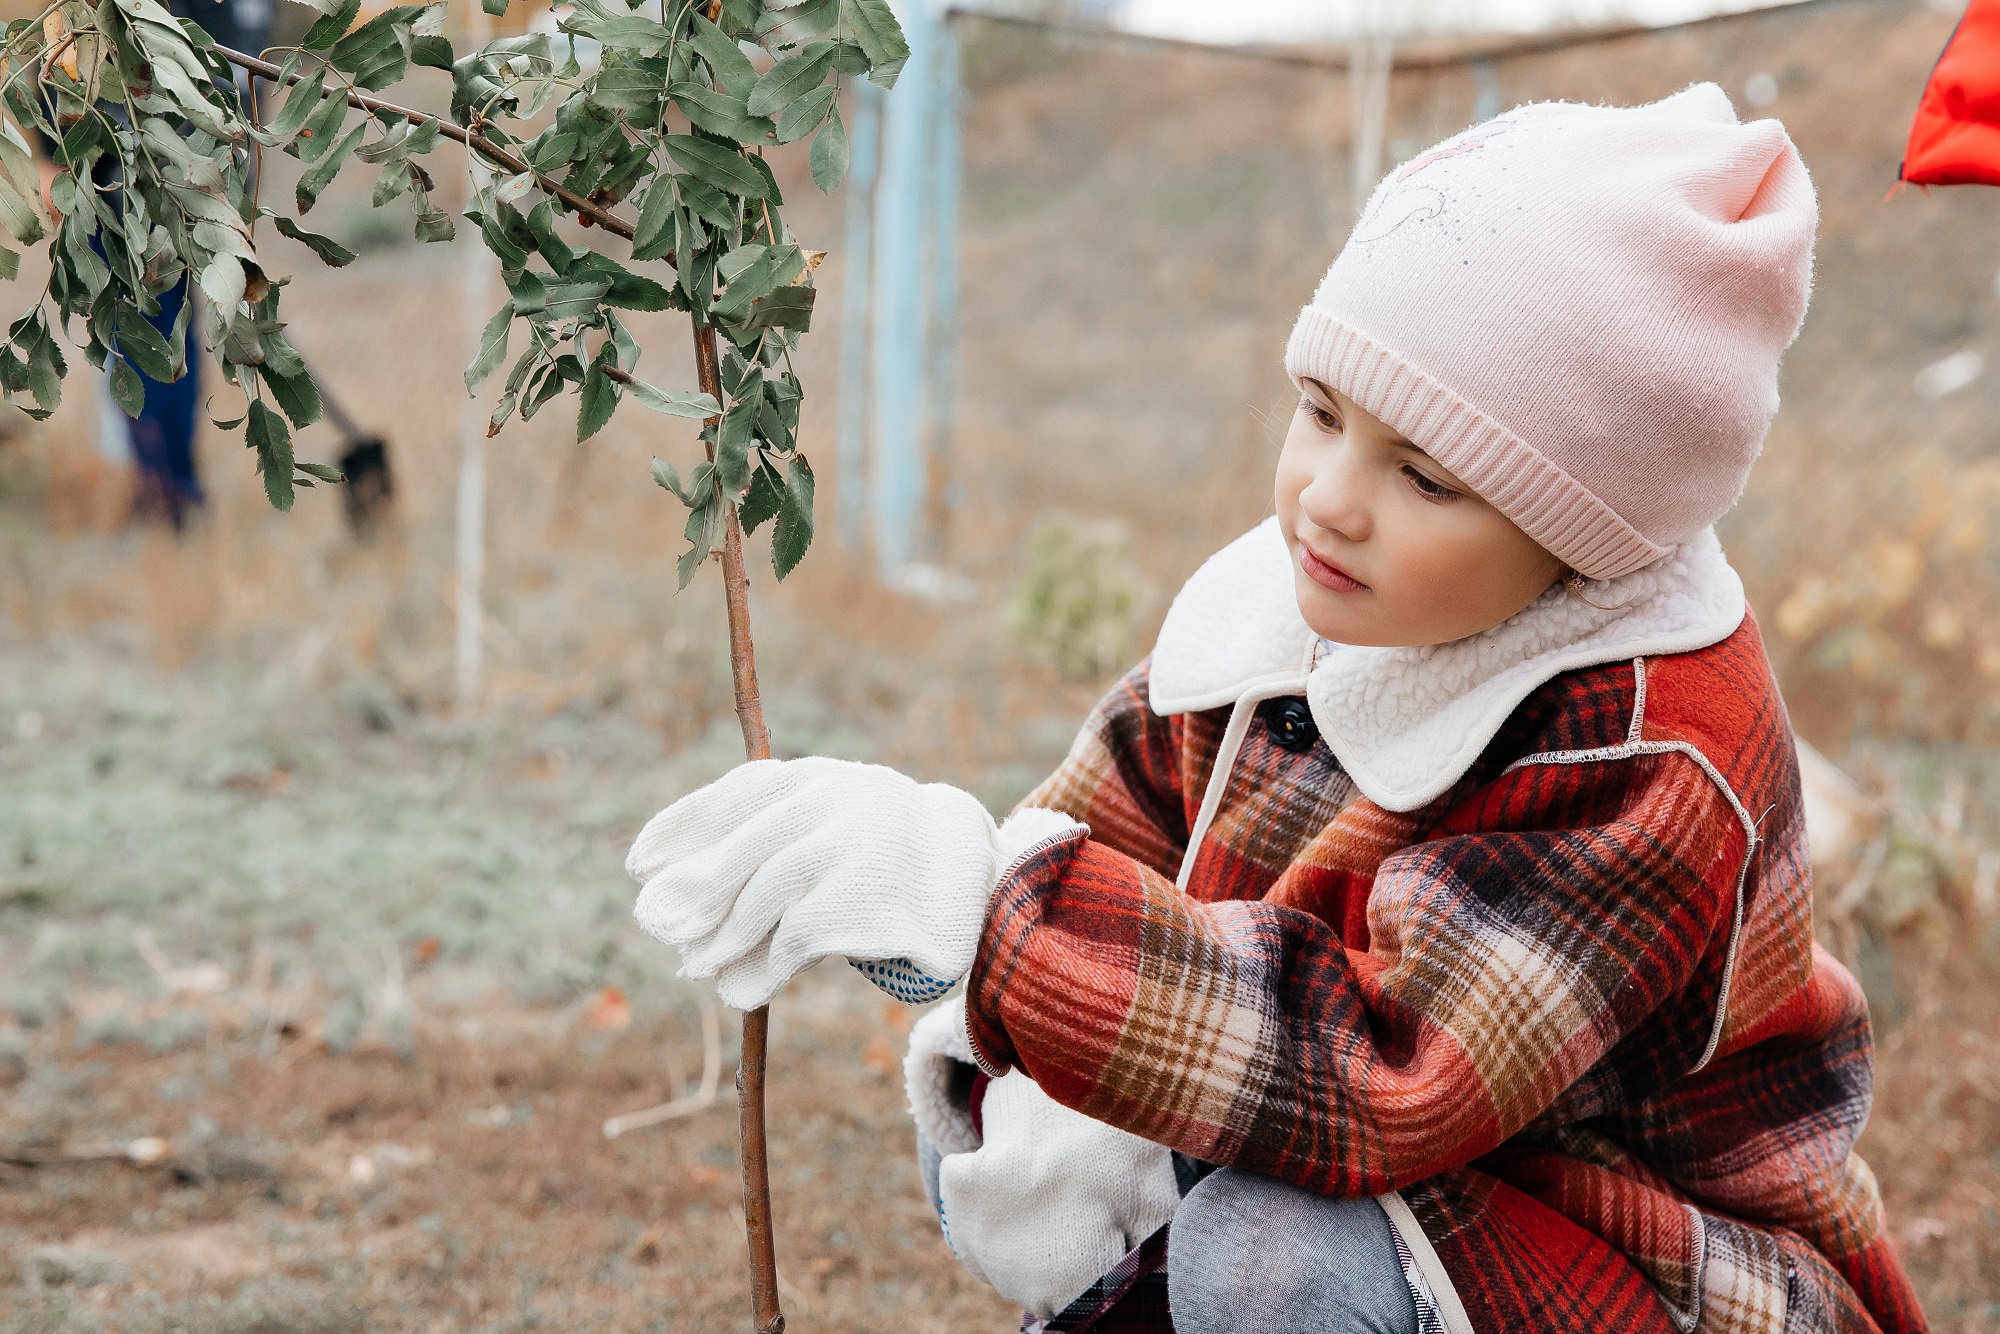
(317, 981)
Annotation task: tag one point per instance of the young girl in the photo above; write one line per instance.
(1421, 938)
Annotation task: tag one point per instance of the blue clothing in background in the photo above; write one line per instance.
(163, 433)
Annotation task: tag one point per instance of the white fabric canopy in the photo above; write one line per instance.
(1310, 20)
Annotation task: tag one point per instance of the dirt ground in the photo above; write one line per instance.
(314, 995)
(464, 1183)
(369, 982)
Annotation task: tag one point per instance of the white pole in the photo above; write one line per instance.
(468, 609)
(1373, 51)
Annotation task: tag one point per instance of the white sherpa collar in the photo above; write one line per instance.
(1406, 723)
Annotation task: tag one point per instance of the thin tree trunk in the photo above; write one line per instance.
(756, 1024)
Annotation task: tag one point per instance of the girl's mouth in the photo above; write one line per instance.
(1328, 575)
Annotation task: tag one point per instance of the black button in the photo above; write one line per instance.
(1291, 725)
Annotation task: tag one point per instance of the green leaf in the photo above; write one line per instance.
(762, 502)
(128, 391)
(881, 37)
(804, 115)
(577, 300)
(724, 168)
(718, 112)
(142, 344)
(17, 159)
(664, 475)
(497, 8)
(653, 236)
(279, 356)
(324, 471)
(783, 26)
(331, 28)
(630, 31)
(706, 202)
(316, 177)
(628, 291)
(373, 54)
(599, 398)
(732, 444)
(752, 271)
(551, 150)
(272, 440)
(704, 533)
(433, 52)
(787, 307)
(173, 82)
(790, 79)
(435, 225)
(505, 407)
(494, 230)
(45, 369)
(733, 69)
(628, 86)
(757, 164)
(222, 282)
(302, 102)
(828, 158)
(393, 181)
(10, 264)
(696, 277)
(541, 224)
(546, 384)
(296, 394)
(329, 250)
(22, 220)
(423, 137)
(387, 148)
(530, 295)
(849, 58)
(322, 129)
(492, 347)
(672, 402)
(794, 532)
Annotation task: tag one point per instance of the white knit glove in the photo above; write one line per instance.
(780, 863)
(1049, 1200)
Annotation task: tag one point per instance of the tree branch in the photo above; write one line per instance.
(756, 1023)
(479, 143)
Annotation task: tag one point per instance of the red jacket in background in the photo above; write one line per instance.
(1955, 139)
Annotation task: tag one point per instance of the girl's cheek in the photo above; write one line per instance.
(1286, 486)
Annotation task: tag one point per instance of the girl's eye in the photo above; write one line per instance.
(1428, 488)
(1322, 416)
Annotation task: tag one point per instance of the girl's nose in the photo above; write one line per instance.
(1334, 500)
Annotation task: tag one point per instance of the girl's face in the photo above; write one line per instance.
(1388, 548)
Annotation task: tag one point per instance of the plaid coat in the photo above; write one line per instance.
(1571, 1009)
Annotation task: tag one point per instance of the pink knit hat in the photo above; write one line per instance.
(1579, 310)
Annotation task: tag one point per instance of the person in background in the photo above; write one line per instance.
(162, 435)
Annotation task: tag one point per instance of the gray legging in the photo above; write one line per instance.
(1247, 1252)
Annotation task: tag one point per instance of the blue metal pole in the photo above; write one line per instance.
(851, 428)
(896, 458)
(943, 340)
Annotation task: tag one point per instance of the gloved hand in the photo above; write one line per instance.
(780, 863)
(1046, 1200)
